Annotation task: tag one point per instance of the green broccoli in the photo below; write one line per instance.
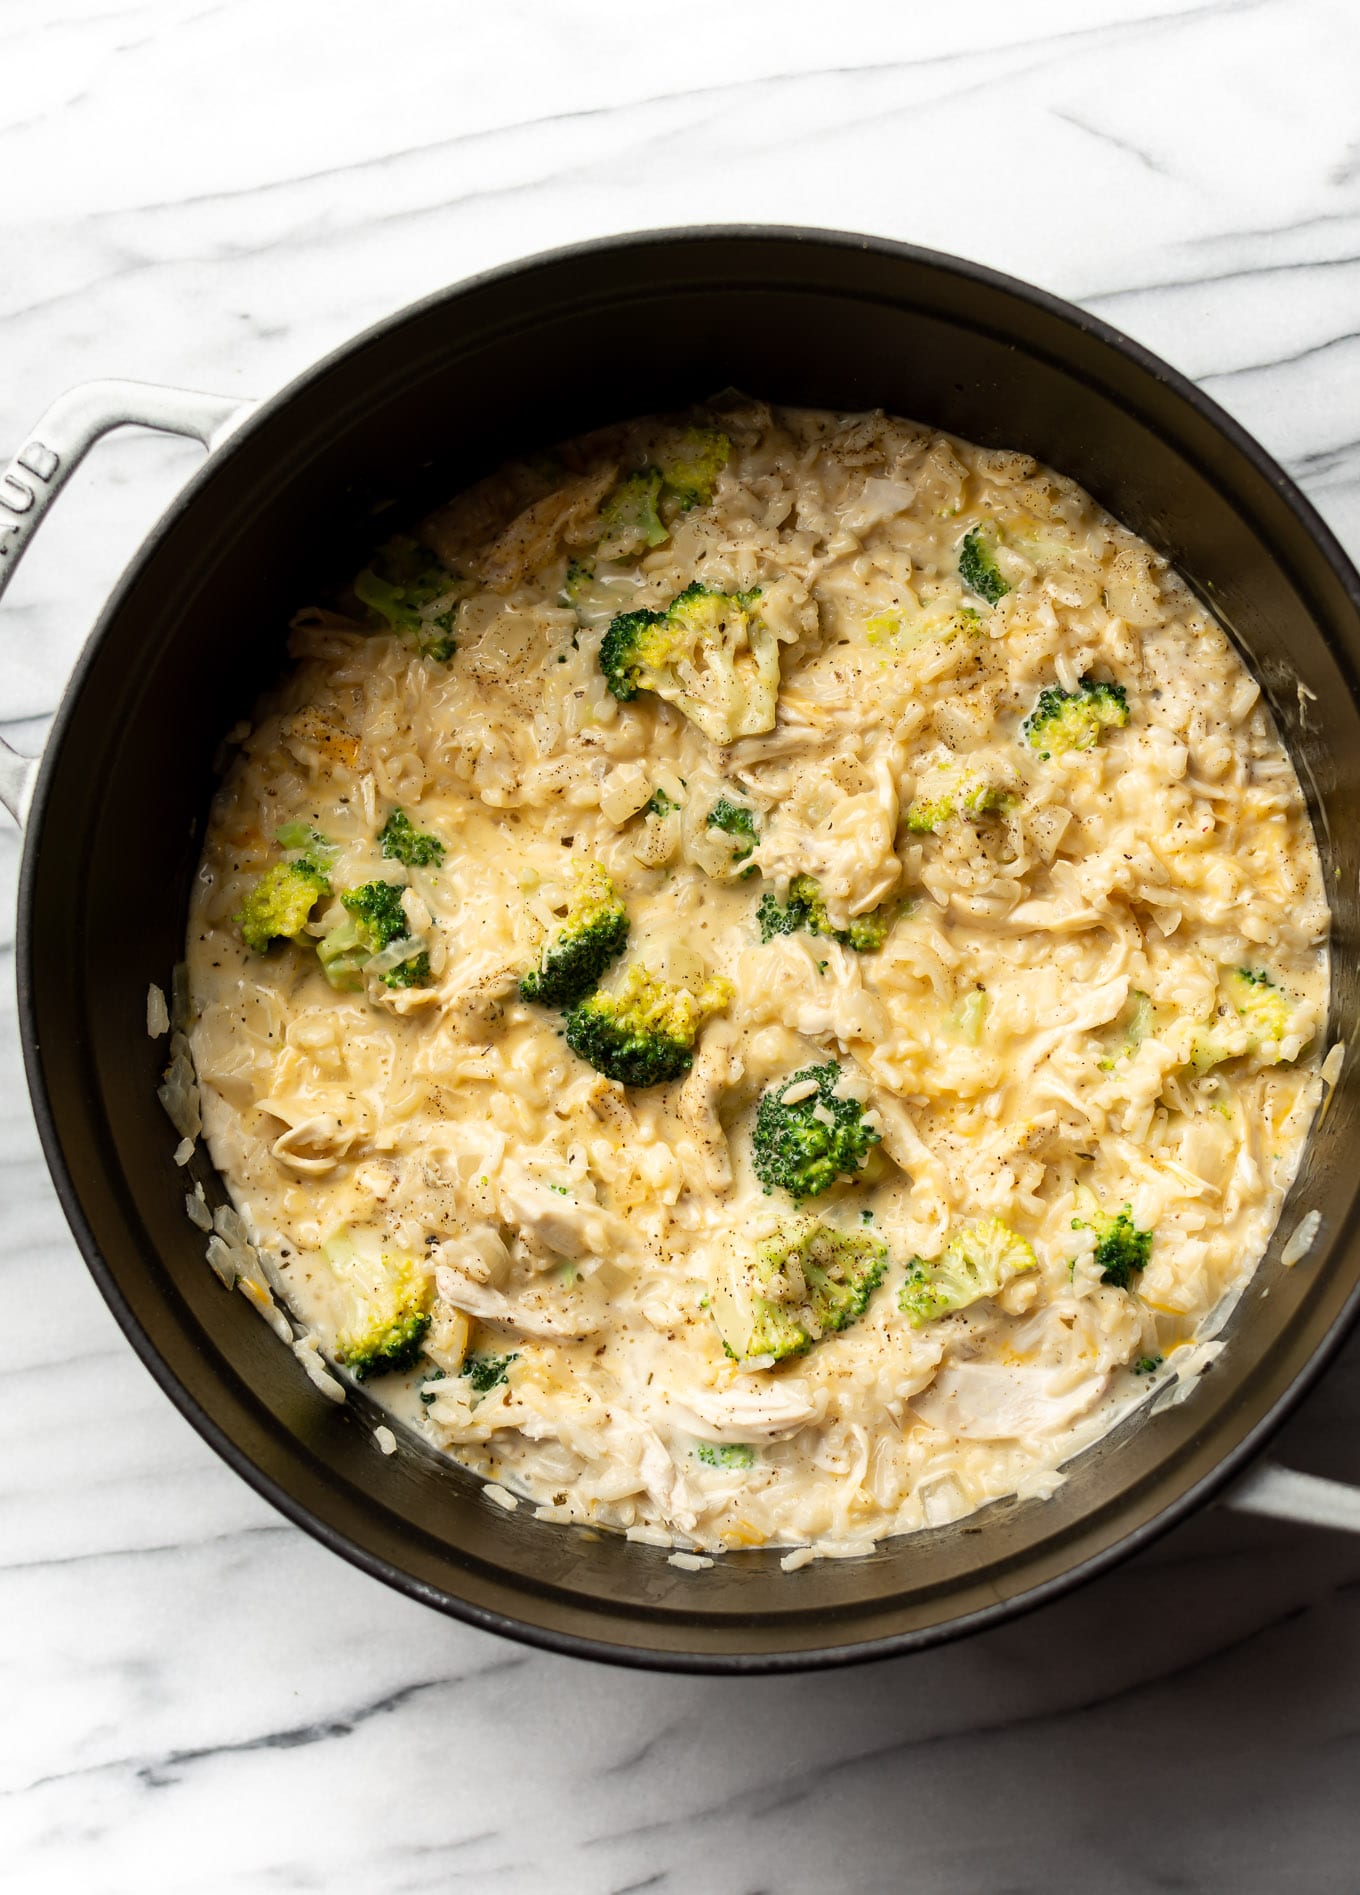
(734, 819)
(1122, 1250)
(401, 841)
(976, 1262)
(978, 568)
(644, 1034)
(1073, 720)
(408, 590)
(805, 912)
(386, 1348)
(305, 844)
(805, 1142)
(691, 471)
(659, 804)
(486, 1372)
(1148, 1364)
(634, 516)
(376, 907)
(579, 576)
(904, 632)
(344, 954)
(374, 920)
(593, 934)
(969, 1017)
(1259, 1017)
(414, 972)
(277, 906)
(867, 933)
(630, 516)
(804, 1282)
(1136, 1022)
(1264, 1006)
(729, 1455)
(384, 1302)
(708, 653)
(951, 792)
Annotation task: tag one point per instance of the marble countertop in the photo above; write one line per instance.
(197, 1696)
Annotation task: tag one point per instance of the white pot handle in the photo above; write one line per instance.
(1285, 1494)
(51, 454)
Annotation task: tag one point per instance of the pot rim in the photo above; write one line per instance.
(1231, 1464)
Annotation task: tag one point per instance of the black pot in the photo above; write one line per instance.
(407, 413)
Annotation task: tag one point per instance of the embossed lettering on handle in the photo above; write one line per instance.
(48, 458)
(18, 496)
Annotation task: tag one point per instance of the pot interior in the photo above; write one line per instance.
(410, 413)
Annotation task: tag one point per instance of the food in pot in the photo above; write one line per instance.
(760, 981)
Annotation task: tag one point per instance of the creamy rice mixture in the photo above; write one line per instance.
(955, 844)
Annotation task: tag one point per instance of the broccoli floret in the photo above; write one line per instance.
(1148, 1364)
(1260, 1018)
(798, 915)
(1122, 1250)
(691, 472)
(344, 954)
(277, 906)
(976, 1262)
(1073, 720)
(386, 1349)
(630, 516)
(305, 844)
(804, 1143)
(969, 1017)
(904, 632)
(708, 653)
(866, 933)
(408, 590)
(734, 819)
(978, 568)
(726, 1454)
(414, 972)
(1265, 1007)
(644, 1034)
(805, 912)
(579, 576)
(486, 1372)
(401, 841)
(375, 919)
(804, 1282)
(1133, 1026)
(954, 792)
(659, 804)
(385, 1306)
(593, 934)
(377, 909)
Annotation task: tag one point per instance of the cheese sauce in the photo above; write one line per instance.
(1093, 983)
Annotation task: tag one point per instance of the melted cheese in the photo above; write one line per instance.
(578, 1224)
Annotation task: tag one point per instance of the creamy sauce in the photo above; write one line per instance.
(1028, 1040)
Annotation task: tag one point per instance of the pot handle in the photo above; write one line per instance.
(46, 461)
(1283, 1493)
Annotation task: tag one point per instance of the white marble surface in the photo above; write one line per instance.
(198, 1698)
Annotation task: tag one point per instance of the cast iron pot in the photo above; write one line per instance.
(409, 412)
